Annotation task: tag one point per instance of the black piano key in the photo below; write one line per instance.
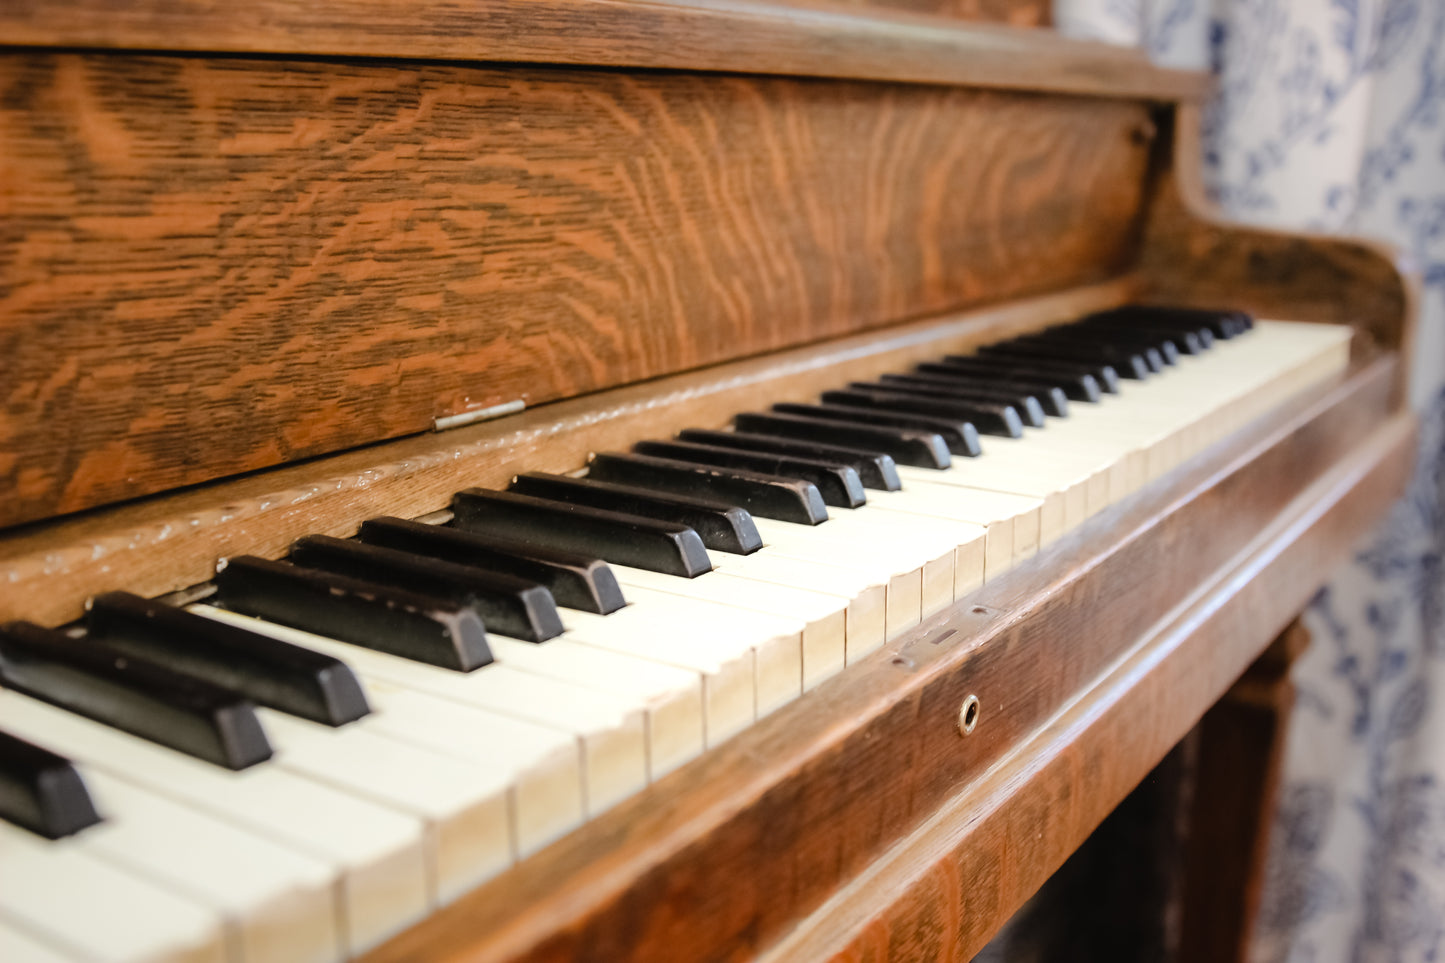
(1076, 382)
(658, 546)
(722, 527)
(267, 671)
(417, 627)
(767, 496)
(1172, 343)
(1027, 405)
(1051, 399)
(1049, 361)
(875, 469)
(1222, 324)
(838, 483)
(1155, 349)
(991, 418)
(506, 603)
(1129, 364)
(896, 434)
(1119, 350)
(959, 437)
(41, 791)
(575, 581)
(1186, 338)
(147, 700)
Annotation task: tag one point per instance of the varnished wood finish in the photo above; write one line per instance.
(939, 894)
(217, 266)
(801, 805)
(1191, 255)
(1241, 748)
(159, 545)
(797, 38)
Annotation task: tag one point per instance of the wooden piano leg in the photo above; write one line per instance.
(1240, 749)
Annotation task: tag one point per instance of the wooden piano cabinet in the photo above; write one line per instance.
(250, 253)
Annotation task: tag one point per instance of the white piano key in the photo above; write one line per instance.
(954, 550)
(888, 560)
(611, 732)
(866, 599)
(824, 617)
(667, 632)
(541, 764)
(18, 946)
(274, 902)
(378, 852)
(95, 910)
(671, 698)
(463, 805)
(776, 641)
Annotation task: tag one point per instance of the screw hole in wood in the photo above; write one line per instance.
(968, 715)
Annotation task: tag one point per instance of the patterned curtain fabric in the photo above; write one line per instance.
(1330, 114)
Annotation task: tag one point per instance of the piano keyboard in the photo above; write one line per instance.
(322, 751)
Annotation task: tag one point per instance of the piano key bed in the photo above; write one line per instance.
(312, 754)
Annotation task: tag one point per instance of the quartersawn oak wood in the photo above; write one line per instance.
(216, 266)
(1193, 255)
(737, 36)
(166, 543)
(1241, 750)
(805, 801)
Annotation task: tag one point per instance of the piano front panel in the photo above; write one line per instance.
(219, 265)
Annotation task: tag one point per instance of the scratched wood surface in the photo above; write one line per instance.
(723, 857)
(213, 266)
(796, 38)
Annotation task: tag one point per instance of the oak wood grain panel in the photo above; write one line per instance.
(165, 543)
(743, 36)
(1192, 254)
(724, 856)
(939, 895)
(214, 266)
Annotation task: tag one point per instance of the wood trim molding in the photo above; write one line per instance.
(806, 39)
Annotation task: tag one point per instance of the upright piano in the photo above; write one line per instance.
(583, 480)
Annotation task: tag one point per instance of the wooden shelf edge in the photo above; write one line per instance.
(737, 36)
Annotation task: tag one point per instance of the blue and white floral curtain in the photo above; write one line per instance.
(1330, 114)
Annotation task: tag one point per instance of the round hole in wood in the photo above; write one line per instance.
(968, 715)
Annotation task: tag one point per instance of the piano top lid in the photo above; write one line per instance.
(794, 38)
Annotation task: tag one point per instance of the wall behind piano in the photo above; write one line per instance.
(1332, 116)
